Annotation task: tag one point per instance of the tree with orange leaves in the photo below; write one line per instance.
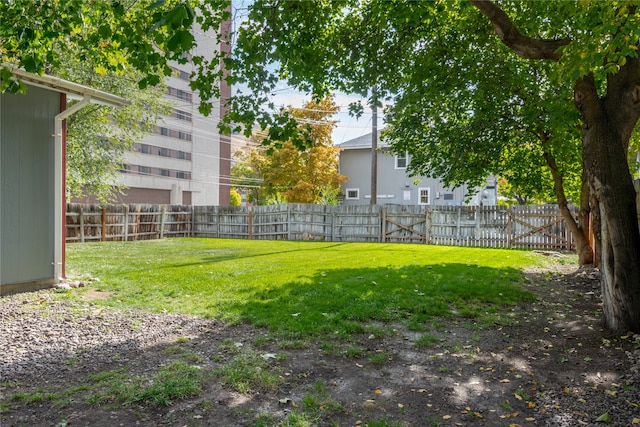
(304, 176)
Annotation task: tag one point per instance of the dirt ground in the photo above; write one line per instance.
(555, 367)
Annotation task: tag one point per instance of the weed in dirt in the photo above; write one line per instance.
(353, 351)
(260, 341)
(378, 357)
(35, 396)
(175, 381)
(9, 384)
(416, 326)
(521, 394)
(317, 405)
(184, 354)
(296, 344)
(426, 340)
(248, 371)
(506, 405)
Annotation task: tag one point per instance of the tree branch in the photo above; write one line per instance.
(523, 46)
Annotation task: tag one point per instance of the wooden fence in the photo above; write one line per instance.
(533, 227)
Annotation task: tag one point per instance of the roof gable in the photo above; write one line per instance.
(362, 142)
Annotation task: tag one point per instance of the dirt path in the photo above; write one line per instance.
(554, 367)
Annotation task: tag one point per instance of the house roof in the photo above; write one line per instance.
(362, 142)
(74, 90)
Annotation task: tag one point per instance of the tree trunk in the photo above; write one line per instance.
(579, 228)
(605, 141)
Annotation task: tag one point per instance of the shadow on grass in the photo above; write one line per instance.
(339, 301)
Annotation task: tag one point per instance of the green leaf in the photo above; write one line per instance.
(175, 16)
(604, 418)
(181, 41)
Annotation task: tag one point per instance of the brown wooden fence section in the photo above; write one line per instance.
(126, 222)
(533, 227)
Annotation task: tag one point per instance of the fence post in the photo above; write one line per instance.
(217, 209)
(192, 232)
(479, 213)
(333, 220)
(126, 223)
(458, 223)
(81, 224)
(383, 229)
(509, 226)
(427, 225)
(288, 221)
(103, 237)
(163, 212)
(250, 224)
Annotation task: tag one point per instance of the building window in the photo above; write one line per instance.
(182, 115)
(164, 131)
(424, 196)
(352, 194)
(164, 172)
(184, 136)
(182, 155)
(125, 168)
(180, 94)
(144, 170)
(401, 160)
(181, 175)
(164, 152)
(182, 75)
(448, 196)
(144, 149)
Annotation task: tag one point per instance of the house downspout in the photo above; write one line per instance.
(59, 185)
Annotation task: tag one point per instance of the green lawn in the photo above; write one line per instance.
(306, 290)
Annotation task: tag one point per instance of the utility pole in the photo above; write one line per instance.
(374, 145)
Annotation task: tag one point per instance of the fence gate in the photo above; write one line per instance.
(539, 227)
(406, 224)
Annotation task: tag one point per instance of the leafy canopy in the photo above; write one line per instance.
(465, 104)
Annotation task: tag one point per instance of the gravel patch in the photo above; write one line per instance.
(42, 334)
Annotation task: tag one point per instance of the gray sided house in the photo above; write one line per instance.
(395, 187)
(32, 196)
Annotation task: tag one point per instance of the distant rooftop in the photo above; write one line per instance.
(361, 142)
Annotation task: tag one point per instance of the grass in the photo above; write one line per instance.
(249, 371)
(341, 294)
(175, 381)
(302, 290)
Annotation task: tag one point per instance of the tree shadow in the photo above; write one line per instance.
(341, 298)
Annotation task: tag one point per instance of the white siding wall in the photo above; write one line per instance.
(26, 186)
